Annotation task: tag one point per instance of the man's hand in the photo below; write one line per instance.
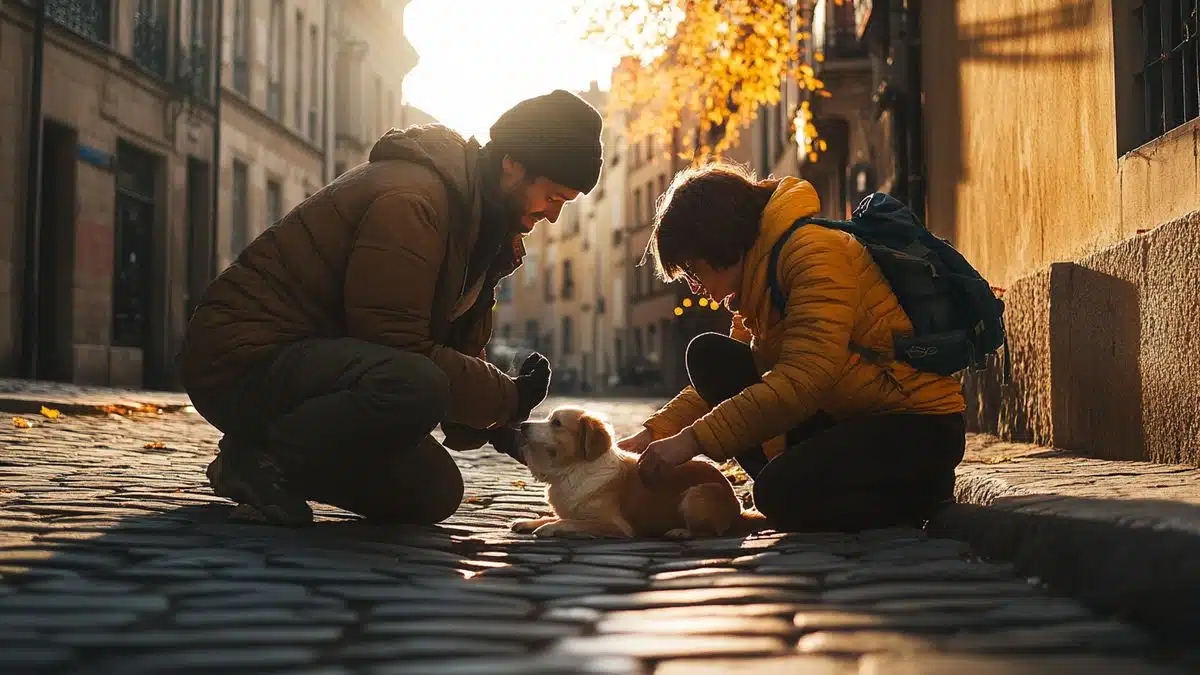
(506, 440)
(533, 383)
(636, 443)
(662, 456)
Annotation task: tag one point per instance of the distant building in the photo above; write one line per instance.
(130, 93)
(96, 287)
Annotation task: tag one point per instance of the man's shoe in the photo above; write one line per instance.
(249, 476)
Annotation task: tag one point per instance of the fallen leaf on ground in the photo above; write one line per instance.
(22, 423)
(113, 409)
(156, 445)
(50, 413)
(473, 500)
(518, 483)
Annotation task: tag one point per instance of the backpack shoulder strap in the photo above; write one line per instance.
(778, 299)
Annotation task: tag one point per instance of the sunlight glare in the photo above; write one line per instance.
(480, 57)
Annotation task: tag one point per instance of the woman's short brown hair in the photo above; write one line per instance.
(710, 212)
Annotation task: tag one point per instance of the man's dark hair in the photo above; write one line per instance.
(710, 212)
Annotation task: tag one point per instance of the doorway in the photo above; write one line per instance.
(56, 252)
(133, 266)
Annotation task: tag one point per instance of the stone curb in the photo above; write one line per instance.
(1123, 537)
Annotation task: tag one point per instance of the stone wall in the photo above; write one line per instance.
(1104, 353)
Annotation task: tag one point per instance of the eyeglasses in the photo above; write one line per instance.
(692, 280)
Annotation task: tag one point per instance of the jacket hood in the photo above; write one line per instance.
(793, 199)
(436, 147)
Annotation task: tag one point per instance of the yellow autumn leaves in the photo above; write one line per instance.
(700, 70)
(25, 423)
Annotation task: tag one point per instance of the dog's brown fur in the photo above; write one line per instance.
(595, 490)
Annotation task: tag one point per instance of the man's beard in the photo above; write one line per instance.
(513, 207)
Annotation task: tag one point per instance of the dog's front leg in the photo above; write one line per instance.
(531, 526)
(584, 528)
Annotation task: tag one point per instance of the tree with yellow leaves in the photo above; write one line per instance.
(703, 68)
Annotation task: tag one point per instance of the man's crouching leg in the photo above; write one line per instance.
(418, 485)
(387, 467)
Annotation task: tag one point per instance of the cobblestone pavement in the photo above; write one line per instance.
(115, 557)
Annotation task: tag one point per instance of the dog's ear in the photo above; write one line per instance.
(594, 437)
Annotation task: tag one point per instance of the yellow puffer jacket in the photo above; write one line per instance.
(832, 351)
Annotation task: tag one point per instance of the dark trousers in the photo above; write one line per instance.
(870, 472)
(348, 424)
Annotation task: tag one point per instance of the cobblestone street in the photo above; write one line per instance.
(115, 557)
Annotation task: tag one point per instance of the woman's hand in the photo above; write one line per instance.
(636, 443)
(662, 456)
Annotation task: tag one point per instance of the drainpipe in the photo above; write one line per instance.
(326, 106)
(215, 188)
(33, 199)
(915, 113)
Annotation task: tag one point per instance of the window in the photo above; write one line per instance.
(651, 339)
(339, 168)
(91, 19)
(1168, 84)
(637, 207)
(314, 70)
(650, 148)
(200, 53)
(506, 332)
(241, 47)
(239, 234)
(568, 281)
(531, 333)
(298, 83)
(637, 343)
(530, 268)
(275, 61)
(637, 282)
(274, 202)
(548, 285)
(662, 183)
(150, 36)
(568, 336)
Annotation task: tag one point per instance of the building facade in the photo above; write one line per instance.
(106, 184)
(370, 63)
(170, 134)
(1061, 143)
(273, 115)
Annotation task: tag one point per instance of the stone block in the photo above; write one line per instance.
(1021, 410)
(125, 367)
(90, 364)
(1103, 353)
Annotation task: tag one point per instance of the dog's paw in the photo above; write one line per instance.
(678, 533)
(526, 526)
(558, 529)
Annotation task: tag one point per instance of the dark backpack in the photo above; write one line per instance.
(957, 318)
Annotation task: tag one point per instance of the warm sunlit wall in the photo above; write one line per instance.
(1022, 134)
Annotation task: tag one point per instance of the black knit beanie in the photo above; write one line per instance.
(557, 136)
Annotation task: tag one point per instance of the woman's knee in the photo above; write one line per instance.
(719, 366)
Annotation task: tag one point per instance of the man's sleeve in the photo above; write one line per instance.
(391, 282)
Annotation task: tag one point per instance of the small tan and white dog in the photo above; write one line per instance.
(595, 490)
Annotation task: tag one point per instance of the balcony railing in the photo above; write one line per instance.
(150, 43)
(91, 19)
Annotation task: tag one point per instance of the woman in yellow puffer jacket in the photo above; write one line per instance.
(836, 433)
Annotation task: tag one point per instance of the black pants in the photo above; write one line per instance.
(348, 423)
(870, 472)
